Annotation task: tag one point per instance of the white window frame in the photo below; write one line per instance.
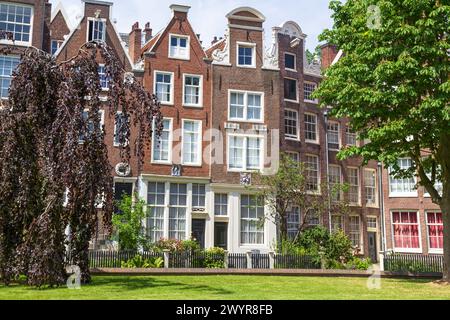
(10, 76)
(295, 61)
(221, 204)
(338, 134)
(437, 185)
(317, 127)
(104, 30)
(188, 47)
(186, 207)
(20, 43)
(431, 250)
(250, 219)
(292, 154)
(411, 194)
(199, 143)
(360, 230)
(358, 203)
(374, 171)
(315, 101)
(349, 133)
(101, 65)
(200, 91)
(372, 229)
(172, 74)
(115, 144)
(245, 118)
(332, 184)
(291, 137)
(293, 225)
(198, 195)
(245, 151)
(341, 223)
(318, 191)
(58, 45)
(406, 250)
(297, 90)
(169, 161)
(102, 120)
(163, 208)
(248, 45)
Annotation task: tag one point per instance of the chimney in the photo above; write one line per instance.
(148, 32)
(135, 42)
(180, 11)
(329, 52)
(214, 40)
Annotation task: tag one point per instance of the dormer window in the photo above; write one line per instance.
(246, 55)
(179, 47)
(96, 29)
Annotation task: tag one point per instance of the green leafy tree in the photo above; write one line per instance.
(128, 223)
(393, 83)
(311, 56)
(290, 187)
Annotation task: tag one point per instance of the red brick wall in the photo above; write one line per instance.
(329, 52)
(251, 79)
(420, 204)
(303, 148)
(160, 61)
(58, 27)
(71, 48)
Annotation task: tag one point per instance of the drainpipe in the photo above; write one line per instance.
(381, 202)
(325, 116)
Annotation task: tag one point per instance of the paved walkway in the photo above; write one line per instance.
(266, 272)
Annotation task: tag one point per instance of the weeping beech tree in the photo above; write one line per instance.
(54, 167)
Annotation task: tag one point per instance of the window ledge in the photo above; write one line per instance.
(403, 195)
(289, 100)
(246, 66)
(312, 101)
(197, 106)
(180, 58)
(400, 250)
(245, 121)
(196, 165)
(161, 162)
(436, 251)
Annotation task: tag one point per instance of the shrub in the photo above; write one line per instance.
(167, 244)
(138, 261)
(359, 264)
(330, 250)
(190, 245)
(128, 223)
(339, 247)
(214, 258)
(174, 245)
(288, 247)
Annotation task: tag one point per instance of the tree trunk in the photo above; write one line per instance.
(445, 207)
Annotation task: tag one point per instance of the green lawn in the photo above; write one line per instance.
(234, 287)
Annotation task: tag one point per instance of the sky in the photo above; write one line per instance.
(208, 16)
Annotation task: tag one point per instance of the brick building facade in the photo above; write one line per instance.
(413, 223)
(29, 23)
(229, 110)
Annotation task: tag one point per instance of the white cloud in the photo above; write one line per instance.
(208, 16)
